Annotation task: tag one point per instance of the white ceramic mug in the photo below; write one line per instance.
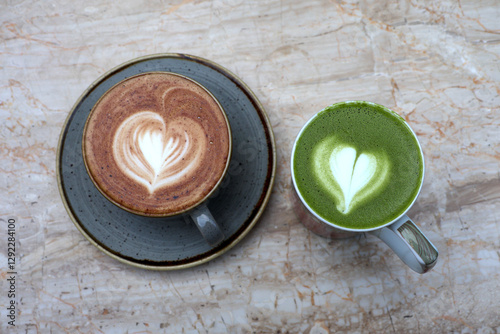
(401, 234)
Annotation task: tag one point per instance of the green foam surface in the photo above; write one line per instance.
(358, 166)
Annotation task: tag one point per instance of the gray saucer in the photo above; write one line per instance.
(158, 243)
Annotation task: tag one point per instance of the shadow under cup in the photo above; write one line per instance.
(158, 144)
(350, 176)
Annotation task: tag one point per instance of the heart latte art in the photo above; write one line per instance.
(154, 155)
(357, 165)
(157, 144)
(348, 175)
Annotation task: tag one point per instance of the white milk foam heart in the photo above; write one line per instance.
(348, 175)
(154, 155)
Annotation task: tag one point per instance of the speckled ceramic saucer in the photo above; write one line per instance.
(159, 243)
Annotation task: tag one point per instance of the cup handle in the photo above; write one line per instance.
(409, 243)
(205, 222)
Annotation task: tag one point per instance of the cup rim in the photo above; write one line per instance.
(310, 210)
(169, 214)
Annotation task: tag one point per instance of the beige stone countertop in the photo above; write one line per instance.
(437, 63)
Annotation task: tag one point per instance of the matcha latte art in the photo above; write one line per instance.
(357, 165)
(348, 175)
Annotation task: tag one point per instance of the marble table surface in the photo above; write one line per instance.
(437, 63)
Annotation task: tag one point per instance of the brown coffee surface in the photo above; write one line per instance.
(156, 144)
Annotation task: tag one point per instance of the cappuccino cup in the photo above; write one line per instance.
(158, 144)
(358, 167)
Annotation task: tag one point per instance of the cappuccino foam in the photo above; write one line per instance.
(156, 144)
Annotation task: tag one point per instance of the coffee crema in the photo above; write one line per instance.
(157, 144)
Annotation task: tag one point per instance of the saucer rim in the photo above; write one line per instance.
(259, 109)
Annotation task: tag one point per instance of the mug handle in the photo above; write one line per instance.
(409, 243)
(207, 225)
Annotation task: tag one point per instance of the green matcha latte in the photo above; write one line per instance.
(357, 165)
